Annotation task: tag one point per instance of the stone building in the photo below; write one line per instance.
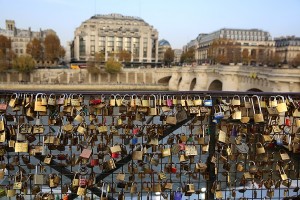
(255, 41)
(112, 33)
(287, 48)
(163, 45)
(21, 37)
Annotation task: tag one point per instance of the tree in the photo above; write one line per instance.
(224, 51)
(35, 49)
(5, 44)
(53, 50)
(245, 57)
(188, 56)
(113, 66)
(24, 64)
(296, 60)
(169, 56)
(7, 54)
(3, 62)
(94, 63)
(124, 56)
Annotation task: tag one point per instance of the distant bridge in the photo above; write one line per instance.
(230, 78)
(198, 78)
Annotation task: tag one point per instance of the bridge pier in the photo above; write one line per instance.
(201, 82)
(185, 82)
(230, 83)
(174, 81)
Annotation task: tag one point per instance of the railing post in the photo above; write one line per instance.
(212, 145)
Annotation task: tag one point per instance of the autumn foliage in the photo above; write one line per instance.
(112, 66)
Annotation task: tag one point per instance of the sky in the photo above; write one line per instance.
(177, 21)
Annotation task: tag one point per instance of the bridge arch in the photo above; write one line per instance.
(215, 85)
(179, 81)
(164, 80)
(254, 90)
(193, 84)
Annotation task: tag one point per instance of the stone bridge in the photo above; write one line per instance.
(197, 78)
(230, 78)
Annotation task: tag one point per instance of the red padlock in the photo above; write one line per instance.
(287, 121)
(115, 155)
(94, 162)
(173, 169)
(135, 131)
(66, 197)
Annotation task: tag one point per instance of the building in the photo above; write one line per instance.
(163, 45)
(114, 32)
(21, 37)
(177, 56)
(253, 41)
(287, 48)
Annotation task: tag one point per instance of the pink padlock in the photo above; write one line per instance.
(83, 181)
(169, 101)
(182, 146)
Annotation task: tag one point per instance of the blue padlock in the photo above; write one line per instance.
(207, 102)
(134, 140)
(177, 194)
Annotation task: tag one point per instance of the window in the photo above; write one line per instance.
(92, 50)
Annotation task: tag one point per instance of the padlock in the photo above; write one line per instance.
(173, 169)
(207, 101)
(240, 166)
(219, 114)
(181, 155)
(56, 179)
(284, 155)
(270, 193)
(258, 117)
(252, 167)
(75, 181)
(260, 148)
(38, 177)
(48, 159)
(51, 181)
(38, 107)
(83, 181)
(236, 101)
(137, 154)
(282, 173)
(272, 101)
(166, 151)
(281, 106)
(81, 191)
(94, 161)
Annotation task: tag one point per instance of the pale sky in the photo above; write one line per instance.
(177, 21)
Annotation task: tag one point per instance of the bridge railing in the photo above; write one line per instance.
(197, 145)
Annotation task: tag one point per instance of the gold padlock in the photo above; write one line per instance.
(81, 191)
(283, 175)
(260, 148)
(240, 166)
(236, 101)
(281, 106)
(258, 117)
